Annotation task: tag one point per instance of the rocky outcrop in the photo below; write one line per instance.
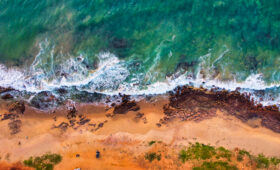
(44, 100)
(126, 106)
(188, 103)
(5, 89)
(17, 107)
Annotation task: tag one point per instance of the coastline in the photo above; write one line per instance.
(122, 138)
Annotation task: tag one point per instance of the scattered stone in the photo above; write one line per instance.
(100, 125)
(72, 113)
(144, 120)
(109, 115)
(83, 121)
(92, 124)
(63, 126)
(77, 155)
(138, 116)
(10, 116)
(72, 122)
(15, 126)
(158, 125)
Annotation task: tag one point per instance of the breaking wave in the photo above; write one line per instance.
(110, 78)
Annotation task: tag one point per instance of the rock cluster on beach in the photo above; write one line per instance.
(188, 103)
(126, 105)
(15, 109)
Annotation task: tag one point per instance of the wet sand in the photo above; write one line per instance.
(123, 139)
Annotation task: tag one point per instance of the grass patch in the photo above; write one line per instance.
(45, 162)
(219, 165)
(152, 142)
(240, 158)
(223, 153)
(197, 151)
(275, 161)
(211, 158)
(184, 156)
(262, 161)
(152, 156)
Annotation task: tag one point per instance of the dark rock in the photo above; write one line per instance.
(7, 96)
(83, 121)
(62, 91)
(92, 124)
(5, 89)
(17, 107)
(100, 125)
(72, 113)
(44, 100)
(10, 116)
(126, 106)
(188, 103)
(63, 126)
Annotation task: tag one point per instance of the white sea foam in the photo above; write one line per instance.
(109, 78)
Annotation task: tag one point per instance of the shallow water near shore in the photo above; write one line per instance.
(147, 47)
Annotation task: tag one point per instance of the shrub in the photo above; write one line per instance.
(45, 162)
(152, 156)
(275, 161)
(224, 153)
(239, 157)
(152, 142)
(216, 165)
(262, 161)
(184, 156)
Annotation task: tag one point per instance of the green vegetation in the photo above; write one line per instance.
(210, 158)
(45, 162)
(183, 156)
(152, 156)
(218, 165)
(152, 142)
(241, 154)
(262, 161)
(197, 151)
(275, 161)
(223, 153)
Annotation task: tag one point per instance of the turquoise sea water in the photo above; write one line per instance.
(111, 45)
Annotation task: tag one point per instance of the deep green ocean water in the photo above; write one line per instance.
(116, 44)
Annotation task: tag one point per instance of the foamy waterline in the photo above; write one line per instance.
(109, 78)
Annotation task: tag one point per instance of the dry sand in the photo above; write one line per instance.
(123, 140)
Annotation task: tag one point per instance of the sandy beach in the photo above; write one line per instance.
(122, 139)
